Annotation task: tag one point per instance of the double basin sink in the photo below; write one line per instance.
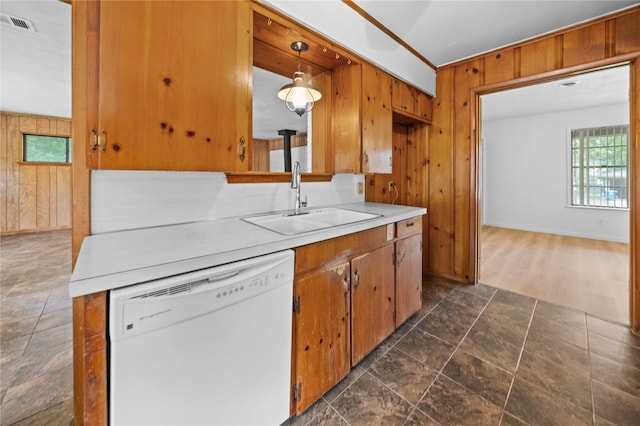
(308, 220)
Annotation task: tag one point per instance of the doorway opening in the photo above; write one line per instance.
(536, 236)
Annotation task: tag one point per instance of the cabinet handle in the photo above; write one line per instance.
(94, 140)
(400, 257)
(345, 283)
(102, 140)
(241, 149)
(409, 224)
(356, 279)
(98, 140)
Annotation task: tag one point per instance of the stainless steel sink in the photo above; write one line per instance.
(307, 221)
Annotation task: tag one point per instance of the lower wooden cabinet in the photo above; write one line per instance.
(322, 326)
(372, 301)
(350, 294)
(408, 277)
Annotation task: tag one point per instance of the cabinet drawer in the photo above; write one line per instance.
(409, 226)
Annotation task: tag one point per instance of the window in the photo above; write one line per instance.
(599, 165)
(46, 149)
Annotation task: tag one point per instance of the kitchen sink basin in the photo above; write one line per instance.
(309, 220)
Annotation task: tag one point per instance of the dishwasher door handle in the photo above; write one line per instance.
(216, 278)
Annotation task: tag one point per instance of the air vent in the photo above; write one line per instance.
(166, 291)
(17, 22)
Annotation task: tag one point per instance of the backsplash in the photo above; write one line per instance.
(124, 199)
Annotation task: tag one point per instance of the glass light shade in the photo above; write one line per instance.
(299, 96)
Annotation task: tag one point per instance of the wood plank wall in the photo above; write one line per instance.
(452, 150)
(33, 197)
(454, 143)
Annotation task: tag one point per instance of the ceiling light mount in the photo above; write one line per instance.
(300, 95)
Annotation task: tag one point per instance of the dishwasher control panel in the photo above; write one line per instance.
(146, 307)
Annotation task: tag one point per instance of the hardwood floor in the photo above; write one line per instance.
(589, 275)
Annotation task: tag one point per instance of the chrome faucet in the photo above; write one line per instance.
(295, 184)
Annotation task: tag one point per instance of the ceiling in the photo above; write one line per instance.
(35, 67)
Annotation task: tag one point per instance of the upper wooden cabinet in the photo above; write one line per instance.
(362, 119)
(174, 86)
(410, 101)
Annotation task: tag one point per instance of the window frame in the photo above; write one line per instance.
(69, 150)
(570, 169)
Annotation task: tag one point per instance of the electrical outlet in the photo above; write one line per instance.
(360, 188)
(391, 186)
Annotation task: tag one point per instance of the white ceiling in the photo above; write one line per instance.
(35, 67)
(445, 31)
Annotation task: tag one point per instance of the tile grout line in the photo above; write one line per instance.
(439, 372)
(515, 372)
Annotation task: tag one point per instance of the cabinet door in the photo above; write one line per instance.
(377, 143)
(408, 277)
(321, 333)
(174, 80)
(424, 106)
(402, 96)
(346, 85)
(372, 301)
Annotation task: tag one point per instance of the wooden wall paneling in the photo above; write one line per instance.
(28, 189)
(499, 66)
(42, 125)
(13, 173)
(466, 76)
(346, 92)
(53, 196)
(538, 57)
(90, 360)
(63, 196)
(260, 155)
(43, 199)
(63, 127)
(532, 62)
(27, 197)
(377, 184)
(3, 171)
(322, 156)
(627, 33)
(634, 180)
(584, 45)
(28, 123)
(441, 177)
(416, 170)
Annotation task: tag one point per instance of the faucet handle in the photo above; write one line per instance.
(304, 203)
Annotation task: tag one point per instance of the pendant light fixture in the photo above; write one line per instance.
(299, 96)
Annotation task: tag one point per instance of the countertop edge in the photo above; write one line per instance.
(85, 285)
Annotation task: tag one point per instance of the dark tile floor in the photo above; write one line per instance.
(476, 355)
(473, 355)
(36, 371)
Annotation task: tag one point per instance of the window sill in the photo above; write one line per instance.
(39, 163)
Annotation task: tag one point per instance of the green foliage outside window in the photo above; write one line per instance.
(46, 149)
(599, 167)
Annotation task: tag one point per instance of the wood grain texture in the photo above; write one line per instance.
(634, 160)
(322, 333)
(584, 274)
(188, 120)
(376, 118)
(3, 172)
(28, 191)
(372, 301)
(346, 87)
(408, 275)
(584, 45)
(454, 133)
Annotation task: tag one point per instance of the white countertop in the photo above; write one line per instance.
(118, 259)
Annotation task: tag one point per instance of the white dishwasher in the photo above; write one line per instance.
(210, 347)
